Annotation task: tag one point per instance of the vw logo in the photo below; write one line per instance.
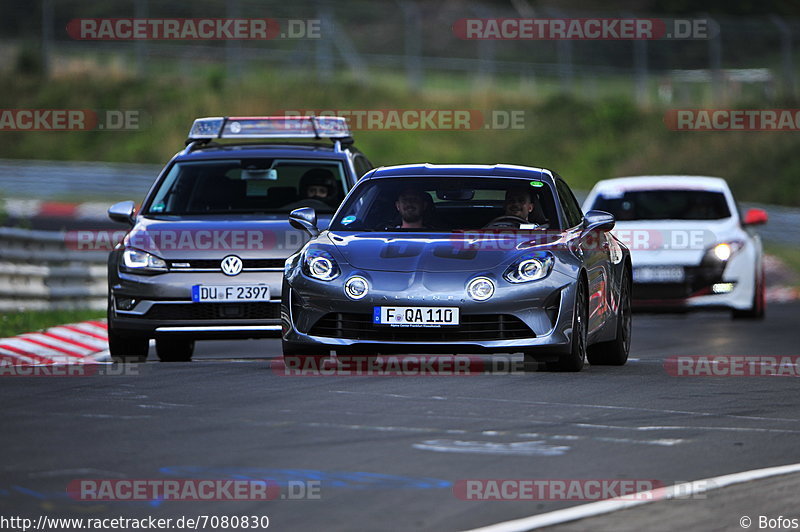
(231, 265)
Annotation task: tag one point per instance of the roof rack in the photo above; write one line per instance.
(207, 129)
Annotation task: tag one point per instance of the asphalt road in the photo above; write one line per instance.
(383, 453)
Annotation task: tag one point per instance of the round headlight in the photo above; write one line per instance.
(356, 287)
(480, 288)
(723, 251)
(530, 269)
(321, 267)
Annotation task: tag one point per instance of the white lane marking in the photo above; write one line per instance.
(649, 428)
(664, 442)
(517, 448)
(72, 472)
(434, 397)
(377, 428)
(632, 408)
(593, 509)
(578, 405)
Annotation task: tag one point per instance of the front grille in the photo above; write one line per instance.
(214, 264)
(472, 328)
(214, 311)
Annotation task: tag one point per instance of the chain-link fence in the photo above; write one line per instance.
(415, 43)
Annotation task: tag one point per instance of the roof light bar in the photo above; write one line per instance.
(265, 127)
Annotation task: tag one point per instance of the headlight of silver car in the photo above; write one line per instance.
(530, 267)
(138, 260)
(319, 264)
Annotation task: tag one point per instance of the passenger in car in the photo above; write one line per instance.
(413, 208)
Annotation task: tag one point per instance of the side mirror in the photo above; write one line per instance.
(598, 221)
(755, 217)
(123, 212)
(304, 219)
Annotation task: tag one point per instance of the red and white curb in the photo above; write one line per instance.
(77, 343)
(33, 208)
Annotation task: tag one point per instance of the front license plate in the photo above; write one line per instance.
(227, 293)
(415, 316)
(659, 275)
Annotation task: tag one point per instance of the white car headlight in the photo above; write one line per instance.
(135, 259)
(725, 250)
(320, 265)
(531, 267)
(480, 288)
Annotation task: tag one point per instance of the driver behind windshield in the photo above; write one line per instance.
(517, 207)
(317, 183)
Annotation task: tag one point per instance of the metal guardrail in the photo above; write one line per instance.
(38, 271)
(58, 179)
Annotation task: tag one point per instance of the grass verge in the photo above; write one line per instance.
(12, 324)
(789, 255)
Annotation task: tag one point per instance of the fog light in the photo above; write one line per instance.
(722, 288)
(125, 303)
(480, 288)
(356, 287)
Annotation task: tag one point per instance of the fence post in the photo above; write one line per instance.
(639, 67)
(786, 54)
(47, 35)
(140, 10)
(233, 48)
(715, 60)
(413, 43)
(323, 55)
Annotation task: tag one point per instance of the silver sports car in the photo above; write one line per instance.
(460, 259)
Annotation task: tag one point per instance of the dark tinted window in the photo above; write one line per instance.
(664, 205)
(249, 186)
(448, 203)
(572, 211)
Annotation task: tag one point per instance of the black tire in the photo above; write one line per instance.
(574, 358)
(127, 349)
(757, 310)
(615, 352)
(174, 349)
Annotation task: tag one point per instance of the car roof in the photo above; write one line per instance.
(462, 170)
(231, 151)
(692, 182)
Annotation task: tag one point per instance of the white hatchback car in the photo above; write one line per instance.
(690, 247)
